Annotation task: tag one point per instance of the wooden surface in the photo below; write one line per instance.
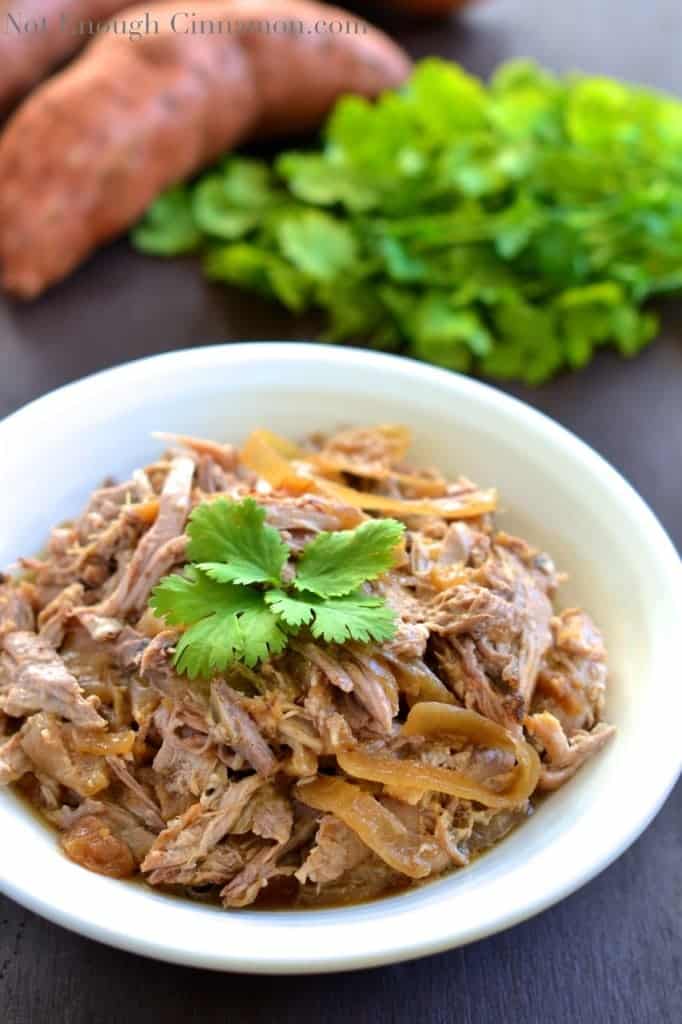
(613, 951)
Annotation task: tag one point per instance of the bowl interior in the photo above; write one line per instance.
(554, 491)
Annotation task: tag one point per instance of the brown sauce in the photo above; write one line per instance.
(283, 894)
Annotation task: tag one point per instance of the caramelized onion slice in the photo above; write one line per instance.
(378, 829)
(332, 461)
(333, 465)
(424, 486)
(429, 719)
(410, 774)
(444, 577)
(282, 445)
(146, 511)
(268, 455)
(417, 681)
(103, 744)
(91, 844)
(469, 506)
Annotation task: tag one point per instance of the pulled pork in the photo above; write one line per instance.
(330, 774)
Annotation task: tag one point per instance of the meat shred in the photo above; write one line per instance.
(205, 787)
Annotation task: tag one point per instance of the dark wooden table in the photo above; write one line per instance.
(610, 953)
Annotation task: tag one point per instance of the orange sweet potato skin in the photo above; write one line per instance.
(39, 34)
(85, 154)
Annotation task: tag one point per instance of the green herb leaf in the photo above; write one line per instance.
(225, 623)
(356, 616)
(168, 228)
(314, 179)
(184, 599)
(317, 244)
(446, 335)
(231, 542)
(228, 618)
(230, 202)
(263, 635)
(334, 564)
(256, 267)
(295, 609)
(450, 219)
(209, 647)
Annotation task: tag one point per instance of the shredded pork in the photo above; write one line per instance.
(228, 788)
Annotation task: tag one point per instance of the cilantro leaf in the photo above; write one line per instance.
(231, 543)
(167, 228)
(263, 271)
(312, 178)
(209, 646)
(227, 623)
(295, 609)
(356, 616)
(459, 222)
(227, 620)
(228, 204)
(317, 244)
(262, 635)
(185, 599)
(334, 564)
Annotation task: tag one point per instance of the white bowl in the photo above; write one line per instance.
(554, 490)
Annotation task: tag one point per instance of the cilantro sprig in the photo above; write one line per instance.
(235, 606)
(230, 542)
(510, 228)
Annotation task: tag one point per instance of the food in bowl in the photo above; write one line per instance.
(310, 675)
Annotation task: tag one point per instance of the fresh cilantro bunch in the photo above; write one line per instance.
(508, 229)
(236, 605)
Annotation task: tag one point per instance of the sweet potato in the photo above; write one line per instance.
(85, 154)
(39, 34)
